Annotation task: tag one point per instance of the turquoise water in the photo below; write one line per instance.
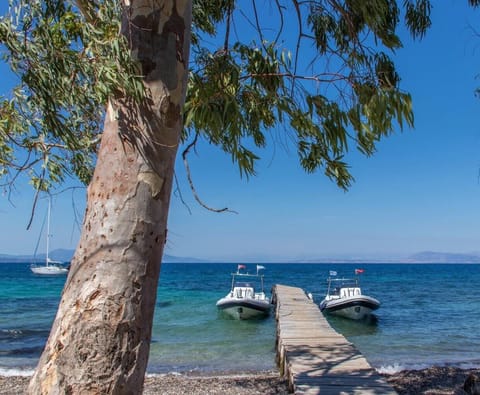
(430, 315)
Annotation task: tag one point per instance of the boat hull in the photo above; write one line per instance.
(49, 270)
(244, 309)
(355, 308)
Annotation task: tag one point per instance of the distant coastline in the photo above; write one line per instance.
(67, 255)
(419, 258)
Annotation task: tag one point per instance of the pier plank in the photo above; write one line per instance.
(313, 356)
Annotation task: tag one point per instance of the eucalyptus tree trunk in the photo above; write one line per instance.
(100, 339)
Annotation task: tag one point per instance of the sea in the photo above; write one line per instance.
(429, 315)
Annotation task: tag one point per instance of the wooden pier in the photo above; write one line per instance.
(313, 356)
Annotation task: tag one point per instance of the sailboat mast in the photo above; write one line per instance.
(48, 228)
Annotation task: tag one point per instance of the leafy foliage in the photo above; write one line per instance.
(318, 74)
(332, 85)
(66, 68)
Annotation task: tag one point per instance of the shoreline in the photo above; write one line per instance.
(435, 380)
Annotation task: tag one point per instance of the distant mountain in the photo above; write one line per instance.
(443, 257)
(420, 257)
(57, 255)
(15, 258)
(66, 256)
(179, 259)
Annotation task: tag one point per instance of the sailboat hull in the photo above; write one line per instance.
(51, 267)
(49, 270)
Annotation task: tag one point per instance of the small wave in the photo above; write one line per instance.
(10, 372)
(156, 375)
(24, 351)
(24, 332)
(469, 365)
(391, 369)
(7, 334)
(164, 304)
(18, 334)
(12, 331)
(397, 367)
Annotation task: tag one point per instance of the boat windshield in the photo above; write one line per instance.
(246, 280)
(336, 284)
(246, 285)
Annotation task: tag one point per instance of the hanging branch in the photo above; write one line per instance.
(35, 200)
(192, 187)
(179, 191)
(227, 30)
(300, 33)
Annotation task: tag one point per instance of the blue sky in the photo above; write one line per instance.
(420, 191)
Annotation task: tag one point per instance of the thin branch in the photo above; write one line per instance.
(179, 191)
(280, 28)
(300, 34)
(335, 77)
(34, 205)
(257, 23)
(192, 187)
(86, 7)
(227, 30)
(76, 215)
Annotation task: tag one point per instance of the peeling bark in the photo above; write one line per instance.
(100, 338)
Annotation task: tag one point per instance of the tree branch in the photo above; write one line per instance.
(35, 199)
(86, 7)
(192, 187)
(179, 191)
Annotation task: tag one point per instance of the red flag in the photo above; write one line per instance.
(359, 271)
(241, 267)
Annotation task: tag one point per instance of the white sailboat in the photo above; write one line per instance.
(51, 267)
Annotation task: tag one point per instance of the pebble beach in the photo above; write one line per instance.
(175, 384)
(431, 381)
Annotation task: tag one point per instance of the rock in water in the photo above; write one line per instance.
(472, 385)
